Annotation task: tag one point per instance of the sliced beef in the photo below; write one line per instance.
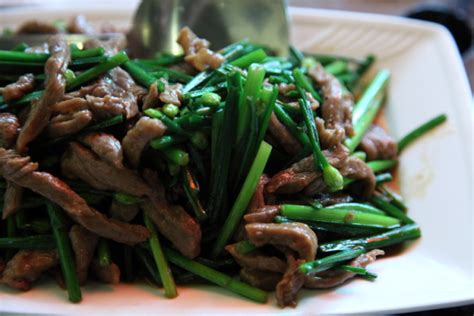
(79, 25)
(290, 284)
(283, 136)
(377, 144)
(173, 94)
(82, 163)
(12, 199)
(123, 212)
(301, 174)
(354, 168)
(337, 107)
(332, 278)
(27, 266)
(83, 244)
(107, 274)
(114, 94)
(67, 124)
(295, 236)
(126, 82)
(106, 146)
(39, 115)
(138, 138)
(16, 90)
(328, 137)
(37, 27)
(152, 99)
(70, 105)
(9, 128)
(256, 260)
(197, 51)
(258, 198)
(22, 172)
(172, 220)
(264, 214)
(264, 280)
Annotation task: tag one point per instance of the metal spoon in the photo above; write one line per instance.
(157, 23)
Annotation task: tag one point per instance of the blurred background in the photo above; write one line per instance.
(456, 15)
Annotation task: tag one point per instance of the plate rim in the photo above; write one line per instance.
(453, 57)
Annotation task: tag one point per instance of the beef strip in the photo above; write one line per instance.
(353, 168)
(2, 265)
(172, 220)
(9, 128)
(83, 244)
(258, 198)
(328, 138)
(172, 94)
(123, 212)
(256, 260)
(106, 146)
(37, 27)
(16, 90)
(22, 172)
(113, 94)
(55, 84)
(337, 107)
(126, 82)
(264, 280)
(79, 25)
(296, 236)
(283, 136)
(301, 174)
(332, 278)
(138, 138)
(109, 274)
(152, 98)
(27, 266)
(12, 199)
(264, 214)
(80, 162)
(67, 124)
(290, 284)
(197, 51)
(377, 144)
(70, 105)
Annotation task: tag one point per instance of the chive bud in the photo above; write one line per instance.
(333, 178)
(170, 110)
(210, 99)
(69, 75)
(308, 62)
(176, 156)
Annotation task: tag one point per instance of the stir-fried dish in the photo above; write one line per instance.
(234, 166)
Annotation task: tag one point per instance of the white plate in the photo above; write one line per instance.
(436, 179)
